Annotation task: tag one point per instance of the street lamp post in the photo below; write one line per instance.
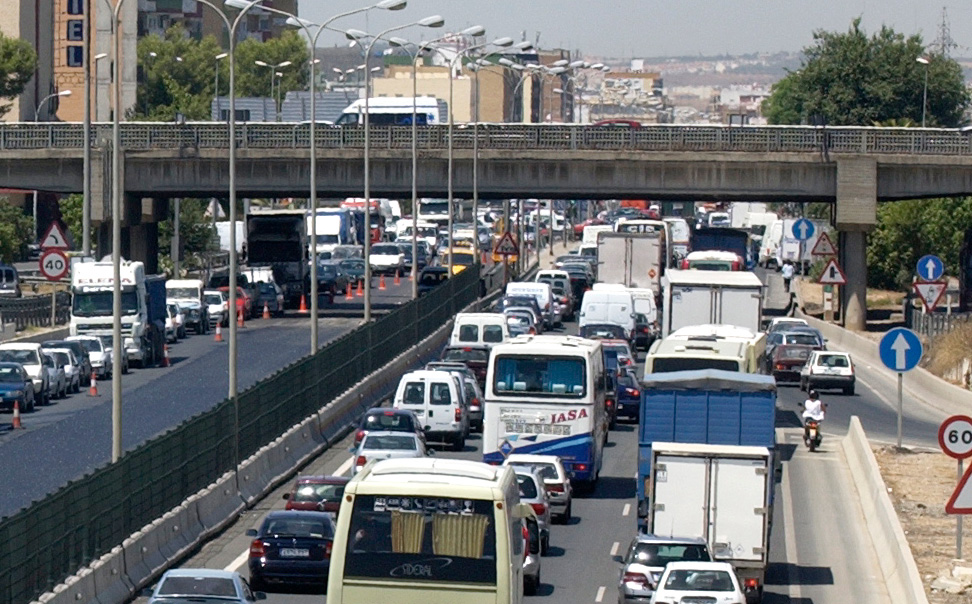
(219, 58)
(45, 100)
(307, 26)
(433, 21)
(86, 168)
(924, 97)
(273, 72)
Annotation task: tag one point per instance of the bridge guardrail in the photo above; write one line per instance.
(85, 519)
(149, 136)
(35, 311)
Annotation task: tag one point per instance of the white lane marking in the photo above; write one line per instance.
(627, 509)
(789, 530)
(614, 548)
(238, 562)
(343, 468)
(600, 593)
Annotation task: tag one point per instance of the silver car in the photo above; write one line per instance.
(645, 562)
(387, 445)
(555, 479)
(531, 563)
(57, 375)
(72, 367)
(532, 491)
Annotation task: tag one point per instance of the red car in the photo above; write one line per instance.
(579, 227)
(788, 360)
(317, 494)
(244, 302)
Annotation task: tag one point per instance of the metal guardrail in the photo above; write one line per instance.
(35, 311)
(149, 136)
(936, 324)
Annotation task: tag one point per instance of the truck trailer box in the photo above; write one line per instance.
(633, 260)
(692, 297)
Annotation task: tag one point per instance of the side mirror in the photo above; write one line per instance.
(146, 592)
(259, 595)
(251, 532)
(286, 495)
(430, 452)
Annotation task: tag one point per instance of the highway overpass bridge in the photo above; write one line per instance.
(853, 168)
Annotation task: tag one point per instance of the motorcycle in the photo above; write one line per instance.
(812, 435)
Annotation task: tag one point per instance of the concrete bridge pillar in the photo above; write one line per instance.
(139, 231)
(856, 214)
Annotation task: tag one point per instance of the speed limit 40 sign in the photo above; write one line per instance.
(955, 436)
(53, 265)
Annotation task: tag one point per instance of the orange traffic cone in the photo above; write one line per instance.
(266, 311)
(303, 304)
(165, 356)
(219, 333)
(93, 389)
(348, 292)
(398, 279)
(16, 418)
(239, 319)
(381, 282)
(411, 276)
(360, 291)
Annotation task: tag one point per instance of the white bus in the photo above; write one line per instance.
(429, 531)
(392, 111)
(546, 395)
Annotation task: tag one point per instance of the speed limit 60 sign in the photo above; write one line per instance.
(53, 265)
(955, 436)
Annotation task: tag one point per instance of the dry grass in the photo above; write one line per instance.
(812, 295)
(946, 352)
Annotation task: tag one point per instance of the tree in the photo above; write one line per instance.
(849, 79)
(18, 61)
(16, 231)
(72, 213)
(196, 232)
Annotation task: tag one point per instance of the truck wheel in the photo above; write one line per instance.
(849, 391)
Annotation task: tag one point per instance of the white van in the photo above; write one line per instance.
(769, 246)
(540, 291)
(479, 328)
(608, 306)
(436, 398)
(187, 294)
(392, 111)
(429, 531)
(644, 302)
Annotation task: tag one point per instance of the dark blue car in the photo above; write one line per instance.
(629, 395)
(291, 548)
(16, 387)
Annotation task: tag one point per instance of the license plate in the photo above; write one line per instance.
(293, 552)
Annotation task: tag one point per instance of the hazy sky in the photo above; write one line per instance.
(645, 28)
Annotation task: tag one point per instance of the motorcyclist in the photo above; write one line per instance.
(813, 409)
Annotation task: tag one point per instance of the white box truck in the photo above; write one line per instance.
(692, 297)
(721, 493)
(632, 260)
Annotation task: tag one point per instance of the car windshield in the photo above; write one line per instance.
(99, 303)
(699, 580)
(91, 345)
(290, 526)
(602, 331)
(528, 488)
(214, 299)
(10, 375)
(465, 354)
(667, 364)
(660, 554)
(353, 265)
(181, 292)
(326, 271)
(801, 354)
(314, 493)
(806, 339)
(833, 360)
(24, 357)
(546, 470)
(63, 358)
(394, 422)
(197, 586)
(524, 376)
(386, 249)
(389, 442)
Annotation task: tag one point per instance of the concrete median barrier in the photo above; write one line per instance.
(77, 589)
(142, 554)
(111, 582)
(890, 544)
(219, 504)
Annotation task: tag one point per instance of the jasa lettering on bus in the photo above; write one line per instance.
(557, 418)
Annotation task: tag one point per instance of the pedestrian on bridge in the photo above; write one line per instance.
(787, 272)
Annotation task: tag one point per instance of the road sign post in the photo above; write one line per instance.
(900, 350)
(955, 439)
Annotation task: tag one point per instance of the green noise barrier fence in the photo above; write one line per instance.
(42, 545)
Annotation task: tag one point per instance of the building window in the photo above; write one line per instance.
(75, 30)
(75, 7)
(75, 56)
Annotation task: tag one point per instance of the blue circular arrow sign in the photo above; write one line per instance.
(900, 349)
(930, 268)
(803, 229)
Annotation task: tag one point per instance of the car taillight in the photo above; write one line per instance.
(780, 366)
(539, 508)
(751, 584)
(610, 402)
(360, 461)
(632, 392)
(563, 300)
(256, 549)
(580, 467)
(555, 488)
(327, 549)
(358, 436)
(636, 578)
(526, 542)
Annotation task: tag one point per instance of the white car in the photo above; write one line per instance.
(72, 368)
(98, 352)
(698, 582)
(106, 342)
(387, 259)
(218, 304)
(173, 323)
(828, 369)
(555, 479)
(57, 376)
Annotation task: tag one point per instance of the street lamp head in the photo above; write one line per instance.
(558, 91)
(261, 63)
(504, 42)
(505, 61)
(284, 64)
(392, 4)
(557, 70)
(298, 22)
(240, 4)
(100, 56)
(355, 35)
(178, 59)
(64, 93)
(518, 66)
(399, 42)
(575, 64)
(337, 71)
(153, 54)
(222, 56)
(597, 66)
(475, 31)
(524, 45)
(605, 69)
(922, 60)
(279, 74)
(432, 21)
(560, 63)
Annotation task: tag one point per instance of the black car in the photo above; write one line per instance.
(381, 419)
(354, 268)
(332, 279)
(80, 352)
(406, 247)
(645, 332)
(291, 547)
(271, 296)
(475, 358)
(603, 331)
(432, 277)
